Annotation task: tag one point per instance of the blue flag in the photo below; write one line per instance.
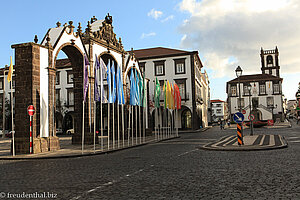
(85, 76)
(137, 94)
(114, 85)
(120, 86)
(103, 69)
(110, 100)
(97, 67)
(132, 89)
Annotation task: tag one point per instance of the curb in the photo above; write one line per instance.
(85, 154)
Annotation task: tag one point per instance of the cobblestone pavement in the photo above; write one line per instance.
(174, 169)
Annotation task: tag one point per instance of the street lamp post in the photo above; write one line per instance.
(238, 73)
(250, 112)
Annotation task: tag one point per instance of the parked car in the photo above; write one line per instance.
(9, 134)
(70, 131)
(59, 131)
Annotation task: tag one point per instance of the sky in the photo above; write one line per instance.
(226, 33)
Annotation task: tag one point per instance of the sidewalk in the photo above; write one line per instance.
(254, 142)
(285, 124)
(68, 150)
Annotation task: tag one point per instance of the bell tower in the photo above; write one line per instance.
(270, 62)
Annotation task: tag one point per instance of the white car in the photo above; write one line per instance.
(70, 131)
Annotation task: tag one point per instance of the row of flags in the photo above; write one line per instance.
(172, 98)
(115, 84)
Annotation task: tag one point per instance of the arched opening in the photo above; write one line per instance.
(69, 86)
(186, 119)
(257, 114)
(270, 60)
(68, 122)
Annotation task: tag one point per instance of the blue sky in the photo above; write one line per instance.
(224, 36)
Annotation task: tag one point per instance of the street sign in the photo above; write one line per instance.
(251, 117)
(244, 111)
(238, 117)
(31, 110)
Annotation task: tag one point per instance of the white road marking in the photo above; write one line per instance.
(187, 152)
(108, 183)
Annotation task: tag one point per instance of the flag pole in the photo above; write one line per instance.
(82, 138)
(3, 106)
(118, 113)
(101, 121)
(12, 116)
(123, 131)
(113, 125)
(140, 125)
(132, 125)
(108, 126)
(128, 130)
(136, 126)
(94, 126)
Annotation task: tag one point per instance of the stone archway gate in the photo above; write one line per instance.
(35, 74)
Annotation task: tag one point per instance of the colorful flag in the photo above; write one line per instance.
(86, 77)
(144, 92)
(172, 97)
(137, 91)
(96, 89)
(103, 71)
(11, 71)
(120, 86)
(169, 96)
(132, 89)
(141, 85)
(177, 97)
(110, 99)
(114, 85)
(165, 93)
(157, 94)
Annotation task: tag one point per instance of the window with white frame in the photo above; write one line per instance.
(262, 88)
(233, 91)
(270, 101)
(276, 88)
(159, 68)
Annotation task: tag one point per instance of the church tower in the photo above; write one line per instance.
(270, 62)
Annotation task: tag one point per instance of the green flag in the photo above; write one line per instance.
(157, 93)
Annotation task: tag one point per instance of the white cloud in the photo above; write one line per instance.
(155, 13)
(167, 18)
(144, 35)
(221, 29)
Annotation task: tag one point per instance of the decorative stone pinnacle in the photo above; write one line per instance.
(88, 29)
(36, 39)
(58, 24)
(71, 27)
(48, 40)
(79, 31)
(93, 19)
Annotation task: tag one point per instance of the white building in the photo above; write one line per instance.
(185, 69)
(218, 110)
(266, 90)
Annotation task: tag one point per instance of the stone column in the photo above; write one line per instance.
(27, 91)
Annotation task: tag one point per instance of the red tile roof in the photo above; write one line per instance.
(255, 77)
(159, 52)
(216, 101)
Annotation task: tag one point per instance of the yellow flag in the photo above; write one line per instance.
(169, 96)
(11, 69)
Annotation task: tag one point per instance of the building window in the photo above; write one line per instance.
(233, 90)
(246, 91)
(13, 83)
(57, 78)
(218, 105)
(181, 83)
(70, 97)
(219, 111)
(276, 88)
(270, 101)
(142, 67)
(179, 66)
(262, 88)
(69, 77)
(242, 102)
(269, 60)
(159, 68)
(57, 95)
(1, 84)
